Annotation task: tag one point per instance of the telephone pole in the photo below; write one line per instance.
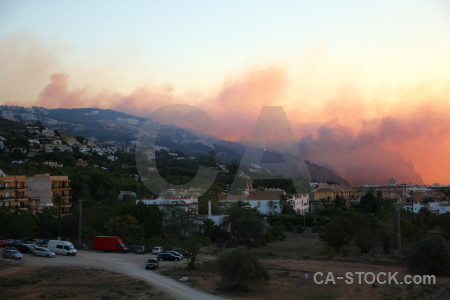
(399, 234)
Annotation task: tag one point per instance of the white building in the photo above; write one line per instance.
(415, 207)
(122, 194)
(268, 202)
(444, 208)
(439, 207)
(188, 204)
(301, 203)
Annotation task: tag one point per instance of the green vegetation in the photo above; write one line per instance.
(429, 256)
(239, 268)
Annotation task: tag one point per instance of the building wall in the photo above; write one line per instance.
(444, 208)
(13, 192)
(301, 203)
(190, 205)
(39, 186)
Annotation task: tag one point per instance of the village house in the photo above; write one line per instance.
(81, 163)
(52, 164)
(267, 202)
(188, 204)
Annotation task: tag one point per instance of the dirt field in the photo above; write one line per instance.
(20, 281)
(286, 265)
(93, 275)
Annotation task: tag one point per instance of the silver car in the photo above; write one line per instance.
(41, 251)
(11, 253)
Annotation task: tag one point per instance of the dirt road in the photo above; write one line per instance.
(127, 264)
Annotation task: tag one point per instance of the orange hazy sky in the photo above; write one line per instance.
(377, 72)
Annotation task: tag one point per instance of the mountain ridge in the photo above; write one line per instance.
(105, 125)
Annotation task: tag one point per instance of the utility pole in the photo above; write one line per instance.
(399, 234)
(80, 222)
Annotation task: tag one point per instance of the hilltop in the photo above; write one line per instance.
(112, 131)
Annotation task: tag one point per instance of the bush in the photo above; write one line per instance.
(335, 235)
(299, 228)
(238, 269)
(279, 225)
(274, 234)
(248, 231)
(429, 256)
(289, 226)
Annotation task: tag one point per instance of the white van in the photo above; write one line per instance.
(62, 247)
(157, 250)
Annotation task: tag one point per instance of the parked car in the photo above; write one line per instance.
(168, 256)
(11, 253)
(12, 248)
(182, 251)
(62, 247)
(40, 251)
(26, 248)
(42, 243)
(175, 253)
(109, 243)
(6, 243)
(139, 250)
(157, 250)
(26, 240)
(152, 264)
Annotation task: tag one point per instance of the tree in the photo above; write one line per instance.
(429, 256)
(364, 234)
(335, 234)
(191, 244)
(248, 231)
(58, 201)
(48, 225)
(239, 268)
(177, 220)
(339, 201)
(208, 228)
(125, 226)
(370, 204)
(17, 224)
(241, 210)
(150, 217)
(212, 195)
(287, 207)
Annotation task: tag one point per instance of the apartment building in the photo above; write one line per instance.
(34, 193)
(13, 192)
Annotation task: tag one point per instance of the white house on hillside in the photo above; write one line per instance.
(268, 202)
(189, 204)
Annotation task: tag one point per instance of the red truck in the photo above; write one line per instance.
(109, 243)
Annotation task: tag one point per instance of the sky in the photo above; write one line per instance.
(370, 74)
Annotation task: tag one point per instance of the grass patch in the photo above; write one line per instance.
(328, 297)
(6, 282)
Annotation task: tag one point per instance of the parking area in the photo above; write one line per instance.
(129, 264)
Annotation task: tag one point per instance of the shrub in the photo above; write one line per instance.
(239, 268)
(248, 231)
(335, 235)
(429, 256)
(299, 228)
(289, 226)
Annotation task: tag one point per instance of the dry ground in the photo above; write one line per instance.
(287, 262)
(21, 281)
